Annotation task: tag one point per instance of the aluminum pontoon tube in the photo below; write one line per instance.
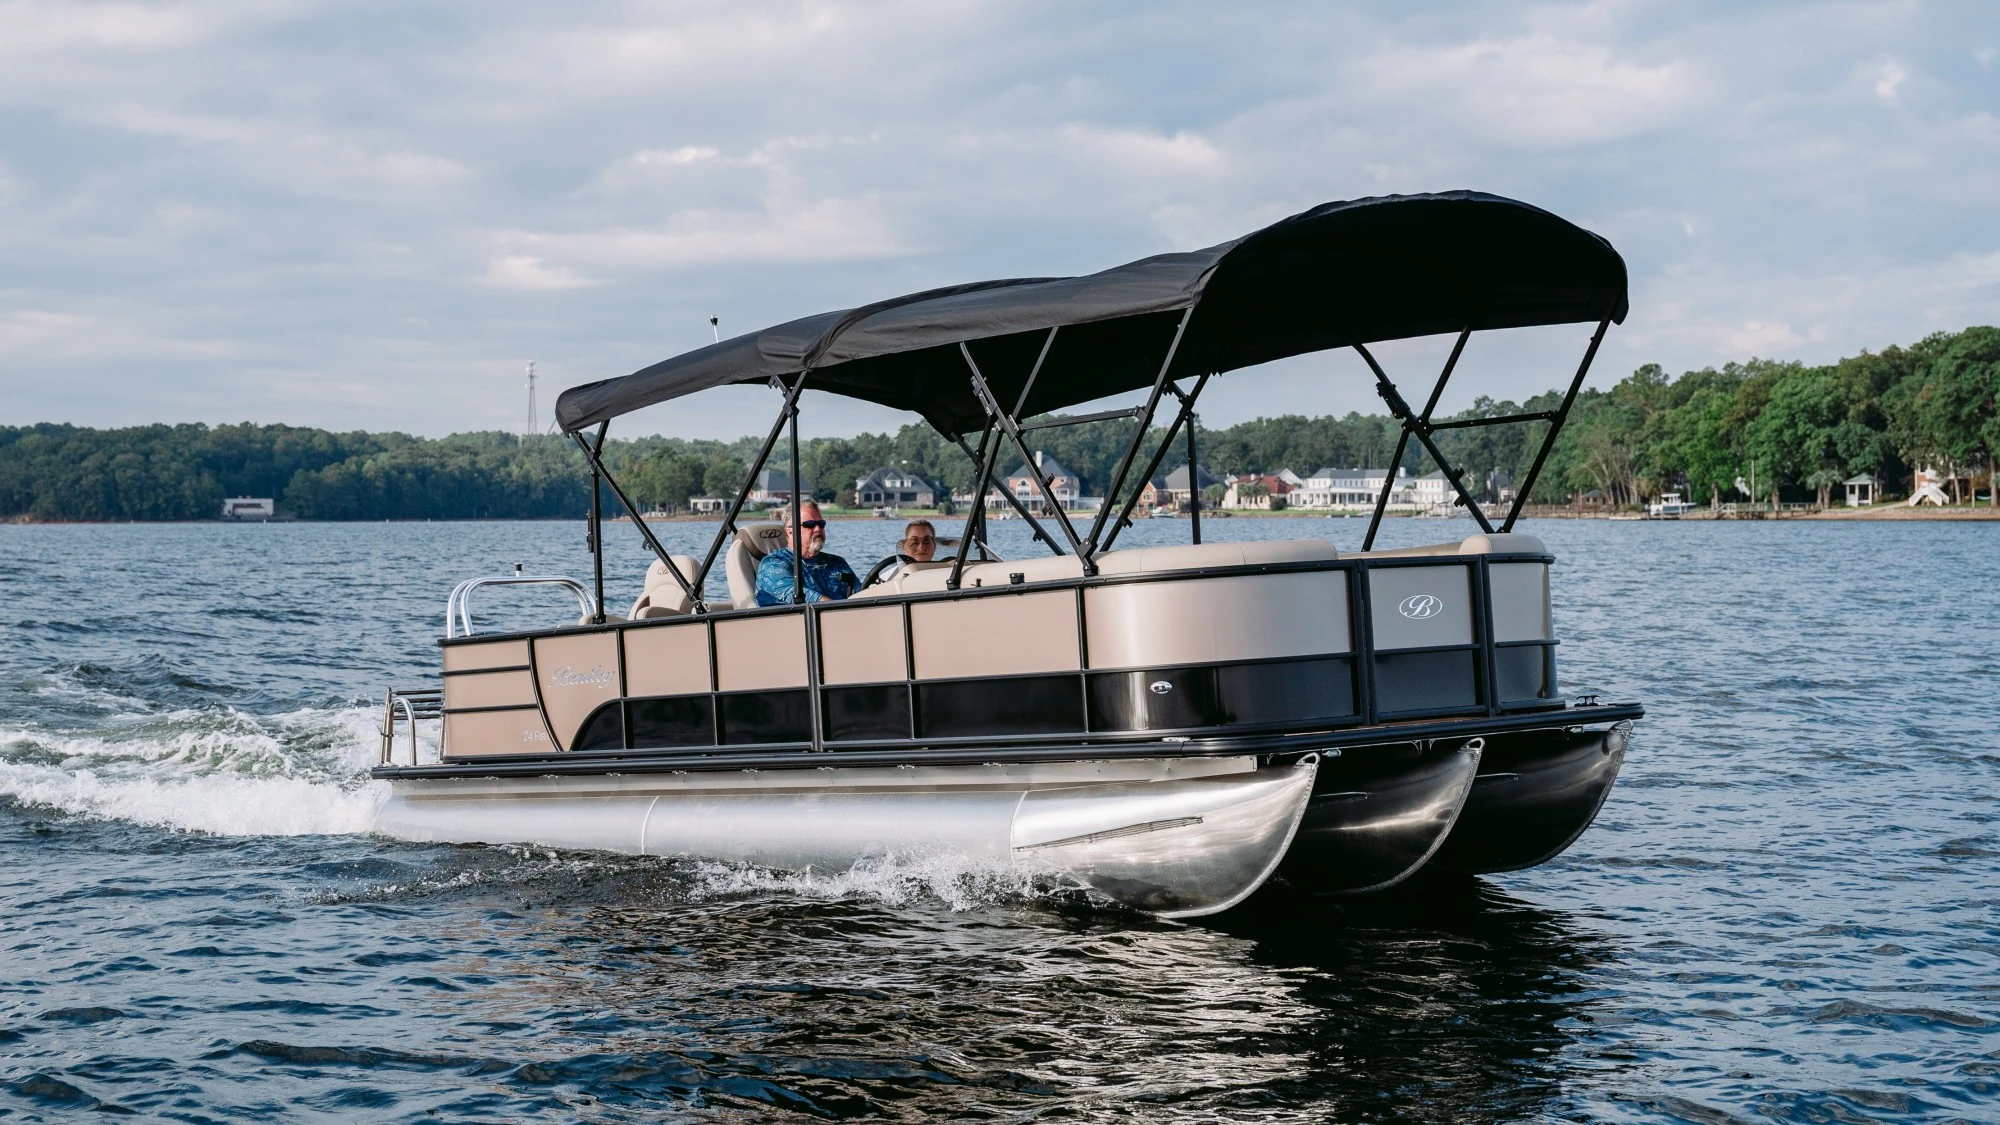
(1174, 837)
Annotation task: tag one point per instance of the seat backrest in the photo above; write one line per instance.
(663, 597)
(745, 552)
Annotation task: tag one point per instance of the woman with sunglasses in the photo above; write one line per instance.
(828, 577)
(919, 542)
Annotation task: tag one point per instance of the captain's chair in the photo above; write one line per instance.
(745, 552)
(663, 597)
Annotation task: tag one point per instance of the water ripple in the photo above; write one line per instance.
(1787, 911)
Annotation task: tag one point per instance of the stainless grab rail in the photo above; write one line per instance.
(458, 607)
(413, 704)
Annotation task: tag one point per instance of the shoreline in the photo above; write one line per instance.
(1886, 514)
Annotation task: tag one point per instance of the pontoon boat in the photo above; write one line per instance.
(1170, 727)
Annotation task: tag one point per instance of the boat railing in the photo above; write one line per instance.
(408, 707)
(458, 606)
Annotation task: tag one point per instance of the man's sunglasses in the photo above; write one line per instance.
(812, 525)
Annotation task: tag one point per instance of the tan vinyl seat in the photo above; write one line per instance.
(663, 597)
(925, 577)
(745, 552)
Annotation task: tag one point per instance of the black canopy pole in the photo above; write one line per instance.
(989, 447)
(1421, 429)
(597, 523)
(1194, 484)
(1021, 403)
(1013, 501)
(1138, 439)
(728, 527)
(1009, 426)
(1153, 466)
(1388, 482)
(798, 503)
(1444, 376)
(1403, 439)
(1556, 425)
(597, 464)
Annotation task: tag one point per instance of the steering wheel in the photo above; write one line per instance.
(884, 570)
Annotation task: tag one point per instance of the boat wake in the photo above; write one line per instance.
(210, 768)
(956, 883)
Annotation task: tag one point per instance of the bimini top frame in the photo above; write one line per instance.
(984, 356)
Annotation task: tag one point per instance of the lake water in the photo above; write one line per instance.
(1788, 910)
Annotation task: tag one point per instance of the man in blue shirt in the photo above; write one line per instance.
(828, 577)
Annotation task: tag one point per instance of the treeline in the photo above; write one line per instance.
(1935, 403)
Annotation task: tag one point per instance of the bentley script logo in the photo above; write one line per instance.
(1416, 607)
(566, 676)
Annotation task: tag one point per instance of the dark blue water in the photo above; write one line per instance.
(1789, 909)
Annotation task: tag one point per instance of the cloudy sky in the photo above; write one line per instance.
(372, 215)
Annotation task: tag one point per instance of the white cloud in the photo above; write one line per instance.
(825, 231)
(1758, 338)
(1534, 90)
(1889, 79)
(48, 334)
(35, 26)
(522, 271)
(281, 203)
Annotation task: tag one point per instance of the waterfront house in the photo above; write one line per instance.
(1330, 488)
(707, 505)
(773, 486)
(1065, 485)
(1861, 490)
(895, 488)
(1261, 493)
(1178, 491)
(1432, 490)
(249, 508)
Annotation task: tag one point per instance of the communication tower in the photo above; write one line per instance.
(530, 431)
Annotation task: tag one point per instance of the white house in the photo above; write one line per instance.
(1066, 486)
(1432, 490)
(249, 508)
(893, 488)
(1342, 488)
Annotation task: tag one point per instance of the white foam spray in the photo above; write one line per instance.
(208, 770)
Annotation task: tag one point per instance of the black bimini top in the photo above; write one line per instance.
(1354, 272)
